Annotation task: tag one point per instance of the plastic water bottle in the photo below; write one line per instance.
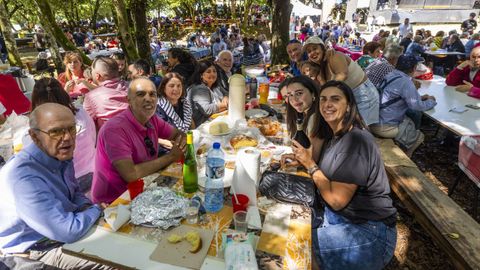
(215, 170)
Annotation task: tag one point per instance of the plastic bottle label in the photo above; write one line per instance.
(215, 172)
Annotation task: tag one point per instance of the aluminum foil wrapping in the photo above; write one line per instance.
(158, 207)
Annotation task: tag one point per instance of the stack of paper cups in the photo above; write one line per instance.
(236, 98)
(247, 173)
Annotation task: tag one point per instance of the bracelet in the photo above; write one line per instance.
(312, 170)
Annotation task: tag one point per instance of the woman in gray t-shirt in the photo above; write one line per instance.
(359, 230)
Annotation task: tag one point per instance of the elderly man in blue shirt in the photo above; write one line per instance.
(399, 94)
(41, 205)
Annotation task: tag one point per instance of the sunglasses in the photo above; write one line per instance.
(59, 133)
(149, 144)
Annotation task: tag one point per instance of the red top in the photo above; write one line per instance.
(12, 97)
(78, 89)
(457, 76)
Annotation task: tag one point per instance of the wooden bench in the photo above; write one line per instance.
(438, 214)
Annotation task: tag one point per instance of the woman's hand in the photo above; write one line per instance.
(288, 160)
(223, 105)
(303, 155)
(69, 86)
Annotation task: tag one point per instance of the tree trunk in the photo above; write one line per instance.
(233, 9)
(128, 45)
(247, 5)
(281, 11)
(139, 15)
(6, 28)
(96, 7)
(49, 22)
(54, 50)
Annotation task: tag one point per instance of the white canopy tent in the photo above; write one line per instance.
(301, 10)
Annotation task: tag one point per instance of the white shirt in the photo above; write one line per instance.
(403, 29)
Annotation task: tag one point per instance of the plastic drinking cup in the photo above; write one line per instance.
(242, 203)
(135, 188)
(240, 221)
(263, 90)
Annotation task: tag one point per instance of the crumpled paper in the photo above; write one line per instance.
(117, 216)
(158, 207)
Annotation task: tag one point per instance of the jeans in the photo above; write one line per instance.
(340, 244)
(366, 97)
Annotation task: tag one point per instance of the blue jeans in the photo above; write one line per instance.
(340, 244)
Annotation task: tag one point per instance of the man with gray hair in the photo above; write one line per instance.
(127, 147)
(379, 68)
(110, 97)
(42, 206)
(224, 64)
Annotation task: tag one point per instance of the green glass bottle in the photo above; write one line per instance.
(190, 175)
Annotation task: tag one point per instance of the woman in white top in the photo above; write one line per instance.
(339, 67)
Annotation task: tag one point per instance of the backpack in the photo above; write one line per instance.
(381, 89)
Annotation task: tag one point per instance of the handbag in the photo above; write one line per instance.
(288, 188)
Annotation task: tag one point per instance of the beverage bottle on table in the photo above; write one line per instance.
(215, 170)
(190, 176)
(300, 135)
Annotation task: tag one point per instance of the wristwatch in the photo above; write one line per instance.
(313, 169)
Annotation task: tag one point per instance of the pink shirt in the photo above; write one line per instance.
(106, 101)
(122, 137)
(84, 152)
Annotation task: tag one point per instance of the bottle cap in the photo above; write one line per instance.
(189, 138)
(216, 145)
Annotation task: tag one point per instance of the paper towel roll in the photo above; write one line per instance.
(236, 98)
(247, 173)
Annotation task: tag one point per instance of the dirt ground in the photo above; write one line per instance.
(415, 249)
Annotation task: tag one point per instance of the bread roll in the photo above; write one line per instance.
(217, 128)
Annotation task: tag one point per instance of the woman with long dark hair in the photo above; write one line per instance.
(181, 62)
(204, 93)
(359, 226)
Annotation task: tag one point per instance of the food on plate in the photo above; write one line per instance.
(241, 141)
(174, 238)
(217, 128)
(266, 126)
(193, 237)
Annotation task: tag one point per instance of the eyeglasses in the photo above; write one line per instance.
(149, 144)
(59, 133)
(296, 95)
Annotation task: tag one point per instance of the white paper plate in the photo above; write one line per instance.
(256, 113)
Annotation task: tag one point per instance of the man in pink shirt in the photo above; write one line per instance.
(127, 147)
(110, 97)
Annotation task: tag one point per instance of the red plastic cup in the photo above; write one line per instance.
(242, 203)
(135, 188)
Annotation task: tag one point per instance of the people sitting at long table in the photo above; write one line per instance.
(41, 206)
(465, 77)
(49, 90)
(338, 66)
(204, 93)
(358, 230)
(399, 94)
(127, 147)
